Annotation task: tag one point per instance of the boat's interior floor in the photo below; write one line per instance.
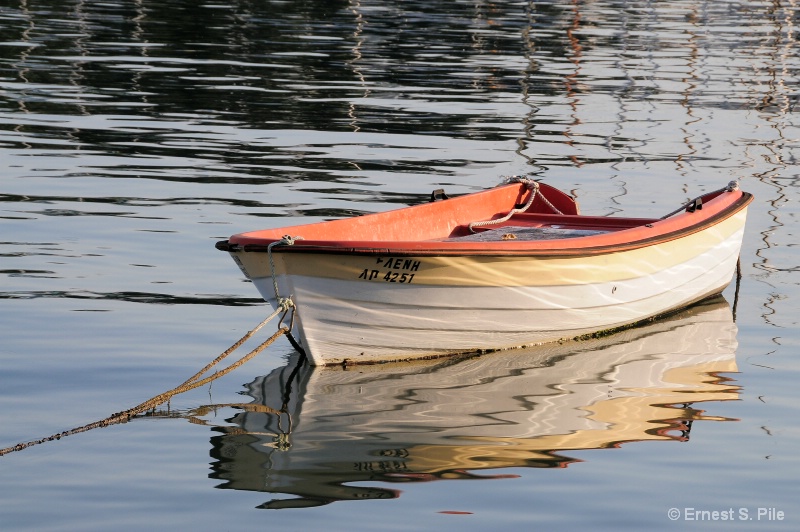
(526, 233)
(546, 227)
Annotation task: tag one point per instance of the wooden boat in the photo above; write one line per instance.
(327, 434)
(507, 267)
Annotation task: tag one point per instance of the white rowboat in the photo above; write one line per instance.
(507, 267)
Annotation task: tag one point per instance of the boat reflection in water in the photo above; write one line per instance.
(316, 433)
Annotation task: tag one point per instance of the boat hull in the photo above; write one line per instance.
(362, 308)
(415, 283)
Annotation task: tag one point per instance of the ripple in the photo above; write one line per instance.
(149, 298)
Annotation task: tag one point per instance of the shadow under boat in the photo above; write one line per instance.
(316, 433)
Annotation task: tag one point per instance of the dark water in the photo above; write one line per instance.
(134, 134)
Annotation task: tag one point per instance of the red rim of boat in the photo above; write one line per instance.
(666, 230)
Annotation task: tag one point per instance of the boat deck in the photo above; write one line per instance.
(531, 227)
(511, 232)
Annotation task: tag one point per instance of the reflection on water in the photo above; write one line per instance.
(317, 432)
(251, 92)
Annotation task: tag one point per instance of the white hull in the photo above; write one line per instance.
(348, 321)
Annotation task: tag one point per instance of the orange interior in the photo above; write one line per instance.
(438, 225)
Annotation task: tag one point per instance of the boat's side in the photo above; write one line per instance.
(367, 307)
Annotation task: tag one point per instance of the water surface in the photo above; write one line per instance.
(133, 135)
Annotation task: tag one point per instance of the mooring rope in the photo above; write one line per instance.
(189, 384)
(287, 240)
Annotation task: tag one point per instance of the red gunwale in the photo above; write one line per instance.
(433, 228)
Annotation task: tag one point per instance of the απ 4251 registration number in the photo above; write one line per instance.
(391, 270)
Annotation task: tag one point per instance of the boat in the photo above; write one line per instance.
(327, 434)
(511, 266)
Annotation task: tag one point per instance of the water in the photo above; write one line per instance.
(133, 135)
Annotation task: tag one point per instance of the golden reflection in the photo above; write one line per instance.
(315, 432)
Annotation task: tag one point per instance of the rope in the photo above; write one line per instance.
(531, 185)
(281, 302)
(284, 303)
(189, 384)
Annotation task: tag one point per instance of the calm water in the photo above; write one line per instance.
(134, 134)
